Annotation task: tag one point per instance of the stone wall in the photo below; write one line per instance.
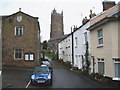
(29, 41)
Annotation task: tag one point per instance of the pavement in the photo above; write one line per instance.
(15, 78)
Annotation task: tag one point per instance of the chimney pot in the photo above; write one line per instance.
(108, 4)
(92, 14)
(84, 20)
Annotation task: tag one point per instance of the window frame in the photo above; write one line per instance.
(20, 32)
(15, 54)
(101, 60)
(68, 43)
(116, 61)
(76, 42)
(29, 56)
(100, 37)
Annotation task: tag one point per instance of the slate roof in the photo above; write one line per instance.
(57, 38)
(5, 16)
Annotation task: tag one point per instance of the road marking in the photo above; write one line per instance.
(0, 73)
(28, 84)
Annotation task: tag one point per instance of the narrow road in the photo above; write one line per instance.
(64, 78)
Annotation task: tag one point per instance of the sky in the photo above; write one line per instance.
(73, 11)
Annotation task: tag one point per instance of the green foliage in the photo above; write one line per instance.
(99, 77)
(44, 44)
(67, 62)
(96, 75)
(87, 62)
(50, 54)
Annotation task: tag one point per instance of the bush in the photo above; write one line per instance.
(68, 64)
(51, 55)
(99, 77)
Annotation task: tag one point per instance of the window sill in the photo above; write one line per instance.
(99, 46)
(116, 78)
(29, 60)
(18, 59)
(18, 35)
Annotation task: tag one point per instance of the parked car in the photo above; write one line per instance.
(41, 74)
(48, 63)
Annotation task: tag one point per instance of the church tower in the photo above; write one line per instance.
(56, 24)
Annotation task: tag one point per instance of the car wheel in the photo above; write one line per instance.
(52, 72)
(32, 83)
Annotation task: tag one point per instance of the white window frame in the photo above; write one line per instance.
(75, 42)
(15, 53)
(101, 60)
(116, 78)
(100, 37)
(76, 60)
(28, 56)
(118, 61)
(69, 43)
(18, 31)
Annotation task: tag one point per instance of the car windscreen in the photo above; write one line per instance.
(47, 63)
(41, 69)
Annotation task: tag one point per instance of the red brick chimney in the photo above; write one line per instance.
(108, 4)
(92, 14)
(75, 27)
(84, 20)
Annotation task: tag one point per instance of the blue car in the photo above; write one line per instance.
(49, 64)
(41, 74)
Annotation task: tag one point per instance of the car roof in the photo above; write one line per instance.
(45, 61)
(43, 65)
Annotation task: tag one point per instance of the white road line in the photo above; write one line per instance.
(0, 73)
(28, 84)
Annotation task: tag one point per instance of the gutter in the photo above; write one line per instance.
(101, 22)
(72, 50)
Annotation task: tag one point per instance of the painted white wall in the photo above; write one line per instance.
(80, 49)
(61, 49)
(69, 48)
(65, 49)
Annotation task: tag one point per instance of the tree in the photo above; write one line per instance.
(43, 48)
(45, 45)
(87, 62)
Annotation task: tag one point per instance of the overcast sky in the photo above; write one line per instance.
(73, 11)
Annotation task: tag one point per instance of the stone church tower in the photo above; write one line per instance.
(56, 24)
(57, 32)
